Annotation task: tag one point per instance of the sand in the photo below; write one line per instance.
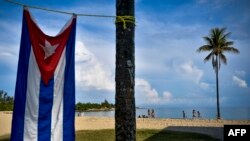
(5, 122)
(205, 126)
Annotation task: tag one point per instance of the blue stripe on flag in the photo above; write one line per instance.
(17, 129)
(45, 110)
(69, 89)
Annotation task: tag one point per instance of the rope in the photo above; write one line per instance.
(123, 19)
(57, 11)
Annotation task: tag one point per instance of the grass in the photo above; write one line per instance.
(5, 138)
(141, 135)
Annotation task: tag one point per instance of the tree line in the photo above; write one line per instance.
(94, 106)
(6, 102)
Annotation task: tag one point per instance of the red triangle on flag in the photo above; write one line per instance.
(47, 49)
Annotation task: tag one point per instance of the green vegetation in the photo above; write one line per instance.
(5, 138)
(6, 102)
(94, 106)
(141, 135)
(164, 135)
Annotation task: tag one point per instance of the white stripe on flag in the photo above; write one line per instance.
(57, 108)
(32, 100)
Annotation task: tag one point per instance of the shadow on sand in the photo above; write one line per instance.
(204, 134)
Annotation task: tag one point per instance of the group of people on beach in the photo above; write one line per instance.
(194, 114)
(151, 114)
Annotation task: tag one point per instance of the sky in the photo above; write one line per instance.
(169, 71)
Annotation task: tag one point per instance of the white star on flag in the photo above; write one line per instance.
(48, 49)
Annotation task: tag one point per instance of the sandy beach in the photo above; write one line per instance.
(204, 126)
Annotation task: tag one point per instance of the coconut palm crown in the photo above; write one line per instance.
(217, 45)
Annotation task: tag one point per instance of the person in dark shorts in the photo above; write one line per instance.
(194, 113)
(184, 114)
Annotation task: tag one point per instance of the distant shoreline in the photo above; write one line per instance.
(97, 110)
(89, 110)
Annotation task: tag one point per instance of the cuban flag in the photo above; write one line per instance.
(44, 106)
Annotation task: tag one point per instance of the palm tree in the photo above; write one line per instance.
(125, 123)
(217, 45)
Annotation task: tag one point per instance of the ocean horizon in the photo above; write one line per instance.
(235, 113)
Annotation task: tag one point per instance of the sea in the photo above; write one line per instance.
(234, 113)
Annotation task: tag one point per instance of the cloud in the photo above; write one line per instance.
(93, 74)
(241, 73)
(146, 94)
(204, 85)
(90, 72)
(190, 71)
(167, 96)
(9, 55)
(241, 83)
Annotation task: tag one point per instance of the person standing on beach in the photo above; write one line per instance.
(152, 113)
(149, 113)
(194, 113)
(199, 114)
(184, 114)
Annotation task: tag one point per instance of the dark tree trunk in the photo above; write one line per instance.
(125, 123)
(217, 88)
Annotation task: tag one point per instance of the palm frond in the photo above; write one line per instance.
(213, 34)
(209, 57)
(227, 35)
(228, 43)
(223, 58)
(208, 40)
(219, 63)
(204, 48)
(222, 30)
(230, 50)
(213, 63)
(217, 44)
